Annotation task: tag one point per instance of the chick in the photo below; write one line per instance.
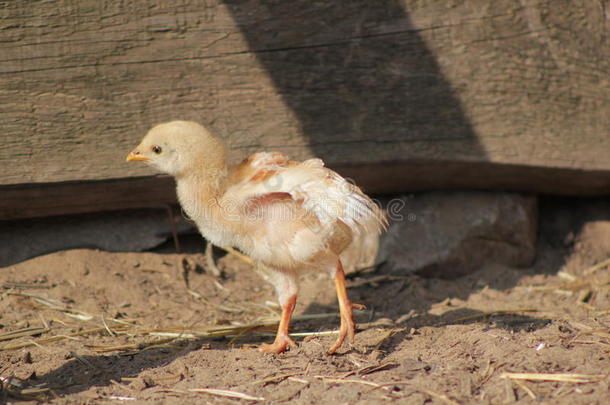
(289, 216)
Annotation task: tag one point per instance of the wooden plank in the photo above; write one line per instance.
(472, 84)
(39, 200)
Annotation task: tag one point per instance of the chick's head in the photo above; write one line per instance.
(178, 147)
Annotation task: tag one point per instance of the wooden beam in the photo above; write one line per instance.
(37, 200)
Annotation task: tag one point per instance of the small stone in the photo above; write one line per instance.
(449, 234)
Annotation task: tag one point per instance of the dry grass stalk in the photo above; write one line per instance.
(561, 377)
(51, 339)
(22, 332)
(579, 326)
(586, 306)
(43, 321)
(493, 313)
(25, 286)
(596, 267)
(214, 391)
(118, 398)
(132, 347)
(603, 312)
(533, 287)
(275, 378)
(585, 295)
(566, 276)
(604, 333)
(369, 369)
(299, 380)
(525, 388)
(346, 381)
(226, 393)
(591, 342)
(376, 368)
(31, 394)
(110, 332)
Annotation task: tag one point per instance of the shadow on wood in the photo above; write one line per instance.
(359, 77)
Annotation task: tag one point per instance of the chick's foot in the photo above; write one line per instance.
(347, 328)
(279, 345)
(282, 340)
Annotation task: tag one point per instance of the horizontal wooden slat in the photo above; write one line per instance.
(39, 200)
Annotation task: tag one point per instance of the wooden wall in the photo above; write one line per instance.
(402, 95)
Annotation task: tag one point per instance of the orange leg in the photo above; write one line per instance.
(282, 340)
(348, 326)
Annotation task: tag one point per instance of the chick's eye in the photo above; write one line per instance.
(157, 149)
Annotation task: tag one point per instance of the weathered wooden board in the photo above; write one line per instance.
(519, 89)
(36, 200)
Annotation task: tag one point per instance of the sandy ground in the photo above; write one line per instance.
(115, 327)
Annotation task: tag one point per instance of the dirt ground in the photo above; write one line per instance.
(85, 326)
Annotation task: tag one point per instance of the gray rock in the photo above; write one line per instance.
(448, 234)
(132, 230)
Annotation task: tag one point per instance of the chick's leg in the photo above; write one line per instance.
(210, 264)
(348, 326)
(282, 340)
(286, 286)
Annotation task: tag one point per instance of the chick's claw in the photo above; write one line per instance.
(280, 345)
(343, 333)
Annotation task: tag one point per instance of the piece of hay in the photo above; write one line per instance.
(561, 377)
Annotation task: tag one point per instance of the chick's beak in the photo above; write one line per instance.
(136, 156)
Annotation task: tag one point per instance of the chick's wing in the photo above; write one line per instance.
(265, 180)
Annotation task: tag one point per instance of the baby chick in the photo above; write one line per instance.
(289, 216)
